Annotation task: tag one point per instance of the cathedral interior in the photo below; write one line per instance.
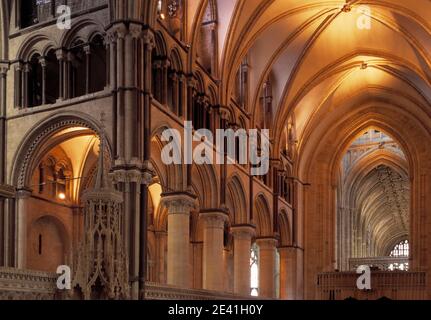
(88, 88)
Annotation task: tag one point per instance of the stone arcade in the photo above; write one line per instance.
(342, 88)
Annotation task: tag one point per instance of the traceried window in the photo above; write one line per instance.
(401, 249)
(254, 270)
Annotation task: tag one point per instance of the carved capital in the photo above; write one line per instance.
(111, 36)
(42, 62)
(23, 193)
(224, 113)
(179, 203)
(267, 243)
(288, 251)
(136, 171)
(148, 172)
(19, 66)
(148, 39)
(191, 82)
(126, 176)
(214, 220)
(61, 54)
(7, 191)
(4, 68)
(135, 30)
(26, 68)
(166, 63)
(70, 56)
(118, 31)
(87, 49)
(243, 232)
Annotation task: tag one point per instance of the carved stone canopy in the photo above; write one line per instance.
(102, 262)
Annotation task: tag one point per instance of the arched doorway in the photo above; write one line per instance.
(321, 158)
(54, 167)
(373, 202)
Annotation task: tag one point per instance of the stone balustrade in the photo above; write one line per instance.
(397, 285)
(163, 292)
(17, 284)
(382, 263)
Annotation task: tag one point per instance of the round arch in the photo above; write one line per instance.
(24, 158)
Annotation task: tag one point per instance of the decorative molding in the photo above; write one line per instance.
(399, 285)
(243, 232)
(179, 203)
(19, 284)
(214, 220)
(163, 292)
(7, 191)
(41, 134)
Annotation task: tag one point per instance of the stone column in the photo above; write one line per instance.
(24, 86)
(174, 93)
(61, 57)
(181, 94)
(4, 67)
(179, 206)
(288, 263)
(23, 196)
(18, 85)
(161, 239)
(131, 92)
(78, 224)
(242, 235)
(213, 233)
(157, 66)
(87, 50)
(267, 256)
(10, 245)
(121, 32)
(3, 72)
(42, 62)
(128, 182)
(67, 74)
(164, 96)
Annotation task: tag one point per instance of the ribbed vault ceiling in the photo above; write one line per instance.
(317, 56)
(376, 186)
(382, 200)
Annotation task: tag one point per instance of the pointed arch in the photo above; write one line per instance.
(171, 177)
(205, 180)
(236, 200)
(284, 228)
(207, 43)
(262, 216)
